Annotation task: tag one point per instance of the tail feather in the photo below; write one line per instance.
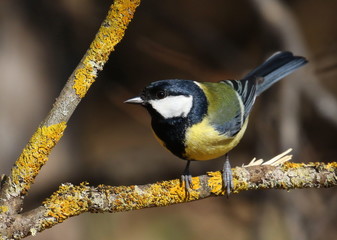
(273, 69)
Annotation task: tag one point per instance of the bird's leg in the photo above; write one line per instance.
(186, 178)
(227, 176)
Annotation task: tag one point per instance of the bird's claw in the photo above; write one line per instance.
(227, 177)
(186, 179)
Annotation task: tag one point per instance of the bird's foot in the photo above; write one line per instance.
(227, 176)
(186, 180)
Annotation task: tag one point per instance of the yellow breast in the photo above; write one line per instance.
(203, 142)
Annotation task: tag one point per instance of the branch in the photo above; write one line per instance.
(50, 131)
(71, 200)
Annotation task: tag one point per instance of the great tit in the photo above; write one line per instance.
(205, 120)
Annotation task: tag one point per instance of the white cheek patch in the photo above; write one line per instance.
(173, 106)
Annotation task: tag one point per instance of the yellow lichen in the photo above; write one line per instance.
(179, 193)
(33, 157)
(70, 200)
(110, 33)
(215, 183)
(157, 194)
(240, 185)
(67, 201)
(3, 209)
(176, 190)
(291, 165)
(331, 167)
(196, 183)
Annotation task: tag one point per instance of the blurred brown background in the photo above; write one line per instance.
(108, 142)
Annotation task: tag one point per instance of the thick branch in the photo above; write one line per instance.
(70, 200)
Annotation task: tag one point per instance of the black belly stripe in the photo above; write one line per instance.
(172, 133)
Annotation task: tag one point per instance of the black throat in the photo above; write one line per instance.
(172, 131)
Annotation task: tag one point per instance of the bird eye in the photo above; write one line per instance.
(161, 94)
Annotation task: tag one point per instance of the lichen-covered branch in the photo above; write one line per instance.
(28, 165)
(108, 36)
(71, 200)
(50, 131)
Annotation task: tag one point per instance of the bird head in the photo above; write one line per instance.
(174, 98)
